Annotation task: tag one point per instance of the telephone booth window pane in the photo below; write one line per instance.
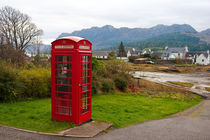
(63, 73)
(63, 58)
(63, 111)
(63, 81)
(85, 95)
(85, 88)
(63, 88)
(70, 59)
(64, 66)
(85, 73)
(85, 80)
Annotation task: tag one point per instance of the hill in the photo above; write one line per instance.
(106, 36)
(193, 42)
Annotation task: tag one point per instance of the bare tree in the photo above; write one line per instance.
(16, 28)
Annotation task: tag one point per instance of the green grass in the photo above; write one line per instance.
(185, 84)
(197, 87)
(188, 65)
(33, 115)
(119, 109)
(124, 110)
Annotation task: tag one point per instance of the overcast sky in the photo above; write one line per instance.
(55, 17)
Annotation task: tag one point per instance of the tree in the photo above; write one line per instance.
(122, 52)
(16, 28)
(112, 54)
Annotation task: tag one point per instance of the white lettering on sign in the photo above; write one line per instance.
(84, 47)
(64, 46)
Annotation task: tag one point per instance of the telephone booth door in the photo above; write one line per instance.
(63, 86)
(85, 86)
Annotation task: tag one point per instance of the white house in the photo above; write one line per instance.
(174, 53)
(147, 51)
(100, 54)
(202, 58)
(132, 51)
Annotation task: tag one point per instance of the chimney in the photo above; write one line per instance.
(166, 47)
(186, 48)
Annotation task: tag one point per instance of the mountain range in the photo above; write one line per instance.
(107, 36)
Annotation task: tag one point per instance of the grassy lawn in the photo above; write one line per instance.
(32, 115)
(185, 84)
(121, 110)
(124, 110)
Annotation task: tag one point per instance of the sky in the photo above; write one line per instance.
(55, 17)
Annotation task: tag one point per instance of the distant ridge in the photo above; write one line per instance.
(107, 36)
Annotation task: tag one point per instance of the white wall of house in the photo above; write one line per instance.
(201, 59)
(101, 57)
(128, 53)
(122, 58)
(176, 56)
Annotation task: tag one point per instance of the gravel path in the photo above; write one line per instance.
(193, 124)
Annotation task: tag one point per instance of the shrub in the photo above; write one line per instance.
(95, 83)
(116, 66)
(107, 85)
(121, 82)
(37, 82)
(10, 86)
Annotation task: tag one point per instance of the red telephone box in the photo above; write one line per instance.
(71, 79)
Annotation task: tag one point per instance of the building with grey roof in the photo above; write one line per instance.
(174, 53)
(100, 54)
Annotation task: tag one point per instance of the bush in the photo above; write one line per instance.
(105, 72)
(107, 85)
(121, 82)
(95, 83)
(37, 82)
(10, 86)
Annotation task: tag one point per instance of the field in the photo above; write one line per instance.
(180, 68)
(184, 84)
(120, 109)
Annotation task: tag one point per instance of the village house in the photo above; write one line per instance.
(174, 53)
(132, 51)
(100, 54)
(202, 58)
(146, 51)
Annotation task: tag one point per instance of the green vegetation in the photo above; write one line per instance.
(9, 83)
(110, 75)
(32, 114)
(119, 109)
(122, 52)
(172, 40)
(197, 87)
(123, 110)
(207, 88)
(23, 82)
(185, 84)
(185, 65)
(37, 82)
